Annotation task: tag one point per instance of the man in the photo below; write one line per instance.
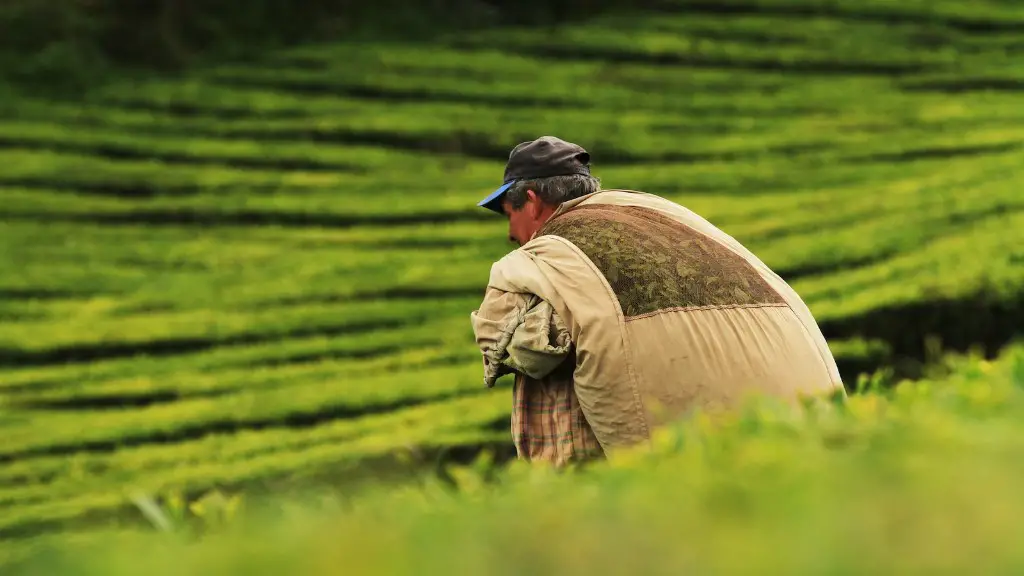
(621, 311)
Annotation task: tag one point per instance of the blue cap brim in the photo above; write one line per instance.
(493, 201)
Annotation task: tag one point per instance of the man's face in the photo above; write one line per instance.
(524, 222)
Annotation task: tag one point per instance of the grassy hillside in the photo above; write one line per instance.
(921, 480)
(263, 272)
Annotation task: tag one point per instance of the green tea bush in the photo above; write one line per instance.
(69, 43)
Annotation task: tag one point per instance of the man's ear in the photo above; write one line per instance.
(534, 203)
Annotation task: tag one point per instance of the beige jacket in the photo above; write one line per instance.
(666, 314)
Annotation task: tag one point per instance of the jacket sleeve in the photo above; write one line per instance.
(518, 332)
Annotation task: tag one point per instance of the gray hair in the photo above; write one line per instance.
(553, 190)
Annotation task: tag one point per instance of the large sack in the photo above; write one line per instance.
(664, 311)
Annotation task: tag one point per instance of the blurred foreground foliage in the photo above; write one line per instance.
(922, 476)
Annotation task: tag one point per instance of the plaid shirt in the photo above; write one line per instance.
(547, 421)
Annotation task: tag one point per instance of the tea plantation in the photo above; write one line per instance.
(255, 276)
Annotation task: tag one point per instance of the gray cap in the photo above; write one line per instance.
(541, 158)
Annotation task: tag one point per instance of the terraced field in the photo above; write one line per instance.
(263, 272)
